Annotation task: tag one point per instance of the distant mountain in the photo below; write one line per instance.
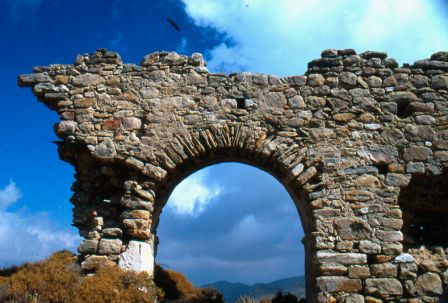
(232, 291)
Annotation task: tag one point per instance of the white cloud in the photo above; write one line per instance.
(28, 236)
(192, 195)
(9, 195)
(281, 37)
(249, 230)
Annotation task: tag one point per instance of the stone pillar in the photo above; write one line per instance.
(136, 219)
(117, 228)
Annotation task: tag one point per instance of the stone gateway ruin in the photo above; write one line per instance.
(360, 144)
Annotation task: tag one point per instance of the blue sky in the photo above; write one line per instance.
(277, 37)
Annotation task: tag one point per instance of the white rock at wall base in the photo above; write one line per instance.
(139, 256)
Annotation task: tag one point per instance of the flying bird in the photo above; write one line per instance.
(173, 24)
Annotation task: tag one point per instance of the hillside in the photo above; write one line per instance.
(232, 291)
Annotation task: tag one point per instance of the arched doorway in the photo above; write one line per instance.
(231, 222)
(301, 177)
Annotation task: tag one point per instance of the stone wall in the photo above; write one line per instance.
(360, 143)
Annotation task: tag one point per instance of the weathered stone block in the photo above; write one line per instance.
(332, 269)
(428, 284)
(419, 133)
(88, 246)
(383, 287)
(138, 256)
(109, 246)
(408, 271)
(154, 172)
(315, 80)
(397, 180)
(417, 153)
(84, 103)
(358, 272)
(136, 214)
(136, 223)
(275, 99)
(132, 202)
(66, 128)
(369, 247)
(439, 82)
(337, 284)
(379, 154)
(132, 123)
(95, 262)
(112, 232)
(87, 80)
(384, 270)
(352, 228)
(341, 258)
(106, 149)
(369, 299)
(392, 248)
(389, 236)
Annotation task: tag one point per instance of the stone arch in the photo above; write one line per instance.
(346, 137)
(289, 164)
(293, 166)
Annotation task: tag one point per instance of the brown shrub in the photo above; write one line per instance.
(58, 280)
(176, 287)
(110, 284)
(53, 280)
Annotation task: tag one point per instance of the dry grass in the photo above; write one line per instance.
(58, 279)
(176, 287)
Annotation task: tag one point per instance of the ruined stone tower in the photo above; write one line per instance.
(360, 144)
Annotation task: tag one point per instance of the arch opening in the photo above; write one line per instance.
(232, 221)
